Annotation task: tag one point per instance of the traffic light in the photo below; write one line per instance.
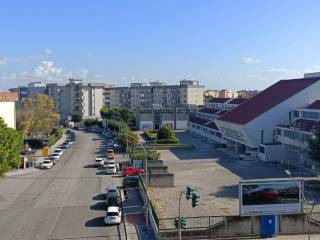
(176, 222)
(189, 192)
(183, 222)
(195, 199)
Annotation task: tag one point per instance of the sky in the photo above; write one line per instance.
(225, 44)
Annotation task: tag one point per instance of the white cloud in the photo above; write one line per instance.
(89, 54)
(249, 60)
(46, 70)
(3, 60)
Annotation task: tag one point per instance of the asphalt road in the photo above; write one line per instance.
(65, 202)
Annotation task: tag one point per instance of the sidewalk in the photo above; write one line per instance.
(135, 222)
(39, 159)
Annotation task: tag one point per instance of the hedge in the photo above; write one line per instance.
(38, 143)
(150, 135)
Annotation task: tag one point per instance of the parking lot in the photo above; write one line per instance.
(215, 175)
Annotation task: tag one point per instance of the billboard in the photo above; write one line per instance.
(270, 196)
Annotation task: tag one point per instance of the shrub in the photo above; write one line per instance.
(150, 135)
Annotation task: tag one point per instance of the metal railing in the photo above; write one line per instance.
(201, 222)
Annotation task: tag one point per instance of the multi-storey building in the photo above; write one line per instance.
(21, 91)
(8, 108)
(37, 87)
(141, 95)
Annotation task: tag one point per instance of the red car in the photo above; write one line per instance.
(130, 170)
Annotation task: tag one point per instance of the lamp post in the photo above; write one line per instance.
(303, 198)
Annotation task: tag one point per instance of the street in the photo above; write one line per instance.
(65, 202)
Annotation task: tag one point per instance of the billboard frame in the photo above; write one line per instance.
(271, 209)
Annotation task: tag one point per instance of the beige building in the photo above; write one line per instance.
(8, 108)
(157, 94)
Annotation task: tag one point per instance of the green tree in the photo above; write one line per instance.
(105, 112)
(118, 113)
(36, 116)
(314, 143)
(76, 117)
(165, 133)
(11, 143)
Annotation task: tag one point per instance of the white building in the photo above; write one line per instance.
(254, 121)
(8, 108)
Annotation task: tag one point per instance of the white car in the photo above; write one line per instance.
(111, 169)
(59, 151)
(56, 156)
(111, 161)
(113, 216)
(46, 164)
(99, 162)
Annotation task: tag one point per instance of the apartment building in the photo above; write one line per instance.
(76, 97)
(37, 88)
(8, 108)
(21, 91)
(142, 95)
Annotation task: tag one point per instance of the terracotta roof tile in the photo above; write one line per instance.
(267, 99)
(8, 97)
(314, 105)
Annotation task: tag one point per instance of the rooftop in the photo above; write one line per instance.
(314, 105)
(267, 99)
(8, 97)
(209, 110)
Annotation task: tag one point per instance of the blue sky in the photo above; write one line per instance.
(247, 44)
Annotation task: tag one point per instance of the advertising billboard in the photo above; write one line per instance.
(269, 197)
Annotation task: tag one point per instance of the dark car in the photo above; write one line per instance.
(130, 181)
(113, 199)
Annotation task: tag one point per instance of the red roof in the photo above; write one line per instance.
(305, 124)
(219, 100)
(8, 97)
(237, 100)
(208, 110)
(212, 125)
(314, 105)
(267, 99)
(199, 121)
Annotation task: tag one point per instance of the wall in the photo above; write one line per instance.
(181, 124)
(158, 169)
(161, 180)
(272, 153)
(8, 113)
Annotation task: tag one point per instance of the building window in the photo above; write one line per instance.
(261, 149)
(279, 132)
(310, 115)
(296, 114)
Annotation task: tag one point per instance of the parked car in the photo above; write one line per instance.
(111, 169)
(111, 161)
(56, 156)
(130, 181)
(131, 170)
(52, 159)
(113, 199)
(46, 164)
(59, 151)
(113, 216)
(110, 153)
(111, 190)
(99, 162)
(64, 145)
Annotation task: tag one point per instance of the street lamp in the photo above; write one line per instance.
(303, 198)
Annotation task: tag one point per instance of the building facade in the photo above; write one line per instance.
(141, 95)
(8, 108)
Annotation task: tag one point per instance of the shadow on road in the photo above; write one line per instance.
(96, 222)
(231, 191)
(99, 206)
(101, 173)
(99, 197)
(89, 166)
